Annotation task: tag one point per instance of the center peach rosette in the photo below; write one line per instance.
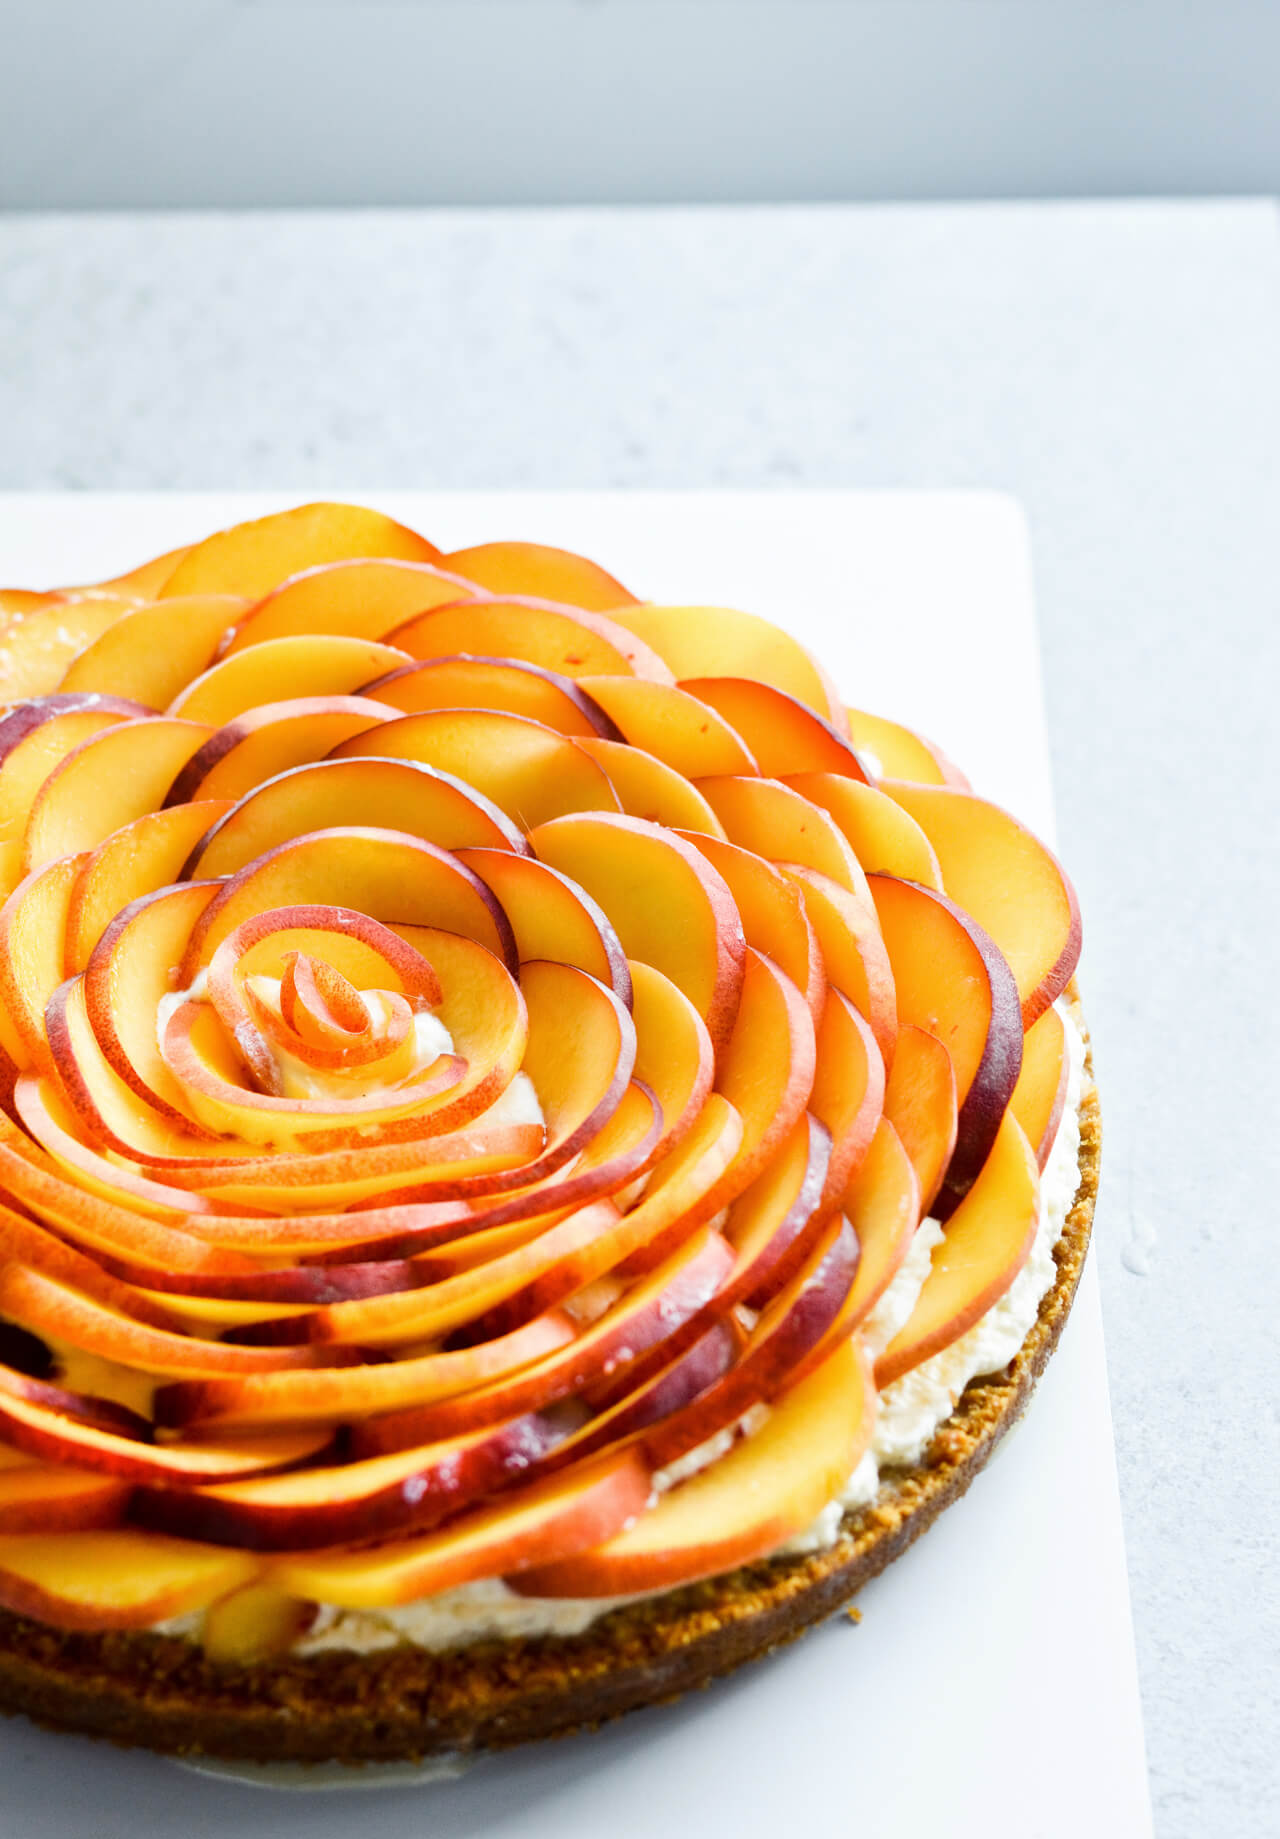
(476, 1049)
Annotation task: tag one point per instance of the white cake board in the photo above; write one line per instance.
(990, 1688)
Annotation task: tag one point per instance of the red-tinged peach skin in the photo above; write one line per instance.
(569, 640)
(671, 724)
(984, 1246)
(274, 670)
(139, 858)
(896, 752)
(920, 1103)
(667, 904)
(104, 1580)
(108, 781)
(539, 569)
(884, 837)
(253, 558)
(507, 684)
(646, 787)
(775, 822)
(528, 770)
(769, 1486)
(1008, 881)
(153, 652)
(270, 740)
(1040, 1096)
(707, 641)
(551, 916)
(43, 1497)
(853, 953)
(784, 734)
(951, 980)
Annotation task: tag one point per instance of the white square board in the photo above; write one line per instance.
(990, 1689)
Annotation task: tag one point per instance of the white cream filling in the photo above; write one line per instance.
(910, 1411)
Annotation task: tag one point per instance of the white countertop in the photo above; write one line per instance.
(1118, 369)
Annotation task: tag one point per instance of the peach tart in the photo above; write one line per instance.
(539, 1149)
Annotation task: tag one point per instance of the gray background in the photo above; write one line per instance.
(301, 102)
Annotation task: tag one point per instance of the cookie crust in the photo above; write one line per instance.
(404, 1702)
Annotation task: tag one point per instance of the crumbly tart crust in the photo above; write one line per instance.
(404, 1702)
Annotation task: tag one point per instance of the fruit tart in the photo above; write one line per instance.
(539, 1149)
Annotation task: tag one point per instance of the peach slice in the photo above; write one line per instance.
(1008, 881)
(985, 1245)
(401, 795)
(270, 740)
(582, 1507)
(920, 1103)
(671, 724)
(149, 577)
(34, 741)
(853, 953)
(648, 788)
(551, 917)
(139, 858)
(33, 924)
(900, 753)
(507, 684)
(772, 911)
(848, 1089)
(42, 1497)
(537, 568)
(310, 664)
(24, 1241)
(674, 1053)
(109, 780)
(1040, 1096)
(774, 822)
(784, 734)
(252, 1624)
(153, 652)
(767, 1068)
(704, 641)
(38, 644)
(254, 557)
(357, 599)
(528, 770)
(565, 639)
(102, 1580)
(883, 836)
(375, 1498)
(389, 876)
(667, 904)
(952, 981)
(769, 1486)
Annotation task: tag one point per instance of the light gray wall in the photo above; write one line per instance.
(294, 102)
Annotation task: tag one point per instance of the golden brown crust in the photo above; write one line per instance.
(405, 1702)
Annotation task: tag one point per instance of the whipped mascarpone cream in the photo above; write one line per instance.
(911, 1409)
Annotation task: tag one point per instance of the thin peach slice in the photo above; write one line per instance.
(564, 639)
(528, 770)
(667, 904)
(706, 641)
(675, 1057)
(768, 1487)
(670, 723)
(148, 577)
(33, 924)
(359, 599)
(1040, 1096)
(884, 837)
(985, 1245)
(43, 1497)
(126, 1579)
(153, 652)
(254, 557)
(25, 1241)
(853, 953)
(270, 740)
(253, 1624)
(582, 1507)
(309, 664)
(784, 734)
(920, 1103)
(507, 684)
(389, 876)
(895, 752)
(138, 859)
(775, 822)
(848, 1089)
(537, 568)
(767, 1068)
(646, 787)
(951, 980)
(38, 644)
(1011, 884)
(551, 917)
(34, 742)
(772, 910)
(110, 779)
